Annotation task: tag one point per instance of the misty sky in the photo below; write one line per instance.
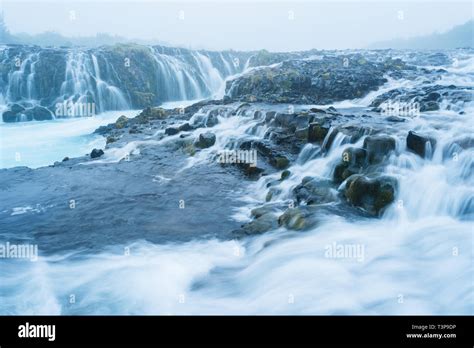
(240, 25)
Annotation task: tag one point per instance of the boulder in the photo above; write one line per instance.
(9, 116)
(279, 162)
(96, 153)
(39, 113)
(171, 131)
(419, 144)
(299, 218)
(317, 132)
(205, 140)
(17, 108)
(261, 224)
(371, 194)
(186, 127)
(314, 191)
(378, 148)
(121, 122)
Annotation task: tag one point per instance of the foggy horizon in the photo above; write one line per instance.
(245, 26)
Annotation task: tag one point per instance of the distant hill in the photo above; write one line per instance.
(459, 36)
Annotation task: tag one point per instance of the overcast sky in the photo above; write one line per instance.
(241, 25)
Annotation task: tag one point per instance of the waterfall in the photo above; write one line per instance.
(93, 81)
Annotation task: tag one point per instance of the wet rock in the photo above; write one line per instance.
(371, 194)
(39, 113)
(342, 171)
(9, 116)
(110, 139)
(284, 175)
(279, 162)
(261, 224)
(317, 132)
(302, 134)
(314, 191)
(151, 114)
(299, 218)
(205, 140)
(378, 148)
(96, 153)
(418, 144)
(65, 159)
(121, 122)
(355, 156)
(186, 127)
(17, 108)
(309, 81)
(171, 131)
(395, 119)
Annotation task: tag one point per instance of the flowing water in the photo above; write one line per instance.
(415, 259)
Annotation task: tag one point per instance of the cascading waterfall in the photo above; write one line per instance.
(417, 256)
(92, 77)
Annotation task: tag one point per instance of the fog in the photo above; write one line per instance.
(240, 25)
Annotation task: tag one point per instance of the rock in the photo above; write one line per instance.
(314, 191)
(332, 109)
(121, 122)
(316, 110)
(110, 139)
(279, 162)
(429, 106)
(186, 127)
(395, 119)
(302, 134)
(205, 140)
(299, 81)
(171, 131)
(264, 209)
(418, 144)
(96, 153)
(342, 171)
(355, 156)
(151, 114)
(263, 223)
(285, 174)
(16, 108)
(378, 148)
(372, 195)
(317, 133)
(299, 218)
(65, 159)
(39, 113)
(9, 116)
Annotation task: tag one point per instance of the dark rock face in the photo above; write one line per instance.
(96, 153)
(419, 144)
(205, 140)
(311, 81)
(372, 195)
(378, 147)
